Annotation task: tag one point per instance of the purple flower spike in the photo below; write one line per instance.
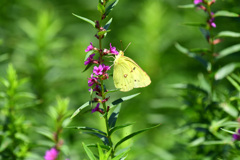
(106, 68)
(89, 48)
(113, 50)
(92, 80)
(197, 1)
(89, 59)
(51, 154)
(98, 70)
(236, 137)
(96, 108)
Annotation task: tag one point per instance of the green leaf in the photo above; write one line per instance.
(111, 91)
(216, 142)
(228, 34)
(186, 6)
(113, 129)
(110, 8)
(197, 142)
(190, 87)
(206, 64)
(228, 108)
(113, 118)
(80, 108)
(103, 138)
(120, 100)
(25, 95)
(228, 131)
(90, 129)
(102, 146)
(45, 132)
(88, 54)
(89, 152)
(228, 51)
(226, 70)
(194, 24)
(85, 19)
(224, 13)
(103, 32)
(100, 151)
(234, 83)
(132, 135)
(87, 67)
(5, 143)
(101, 8)
(106, 26)
(205, 33)
(118, 157)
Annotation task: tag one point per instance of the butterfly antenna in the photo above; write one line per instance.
(121, 44)
(127, 47)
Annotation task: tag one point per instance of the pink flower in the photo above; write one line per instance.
(96, 108)
(89, 48)
(197, 1)
(211, 21)
(98, 70)
(51, 154)
(105, 68)
(113, 50)
(92, 80)
(236, 137)
(89, 59)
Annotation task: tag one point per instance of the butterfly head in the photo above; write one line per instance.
(121, 53)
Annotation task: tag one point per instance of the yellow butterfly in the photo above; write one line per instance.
(127, 74)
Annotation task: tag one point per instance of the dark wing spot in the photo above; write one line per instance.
(135, 80)
(134, 68)
(125, 75)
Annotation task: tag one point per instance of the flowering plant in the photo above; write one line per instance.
(99, 92)
(217, 108)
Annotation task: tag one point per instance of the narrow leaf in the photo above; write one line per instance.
(106, 26)
(85, 19)
(120, 100)
(206, 64)
(88, 54)
(216, 142)
(228, 34)
(103, 138)
(118, 157)
(103, 32)
(228, 108)
(228, 131)
(89, 152)
(205, 33)
(110, 7)
(101, 8)
(197, 142)
(113, 118)
(102, 146)
(132, 135)
(90, 129)
(228, 51)
(100, 151)
(119, 127)
(80, 108)
(87, 67)
(224, 13)
(234, 83)
(186, 6)
(226, 70)
(194, 24)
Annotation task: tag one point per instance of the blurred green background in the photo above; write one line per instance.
(46, 43)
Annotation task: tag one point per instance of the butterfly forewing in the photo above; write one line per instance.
(140, 78)
(128, 75)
